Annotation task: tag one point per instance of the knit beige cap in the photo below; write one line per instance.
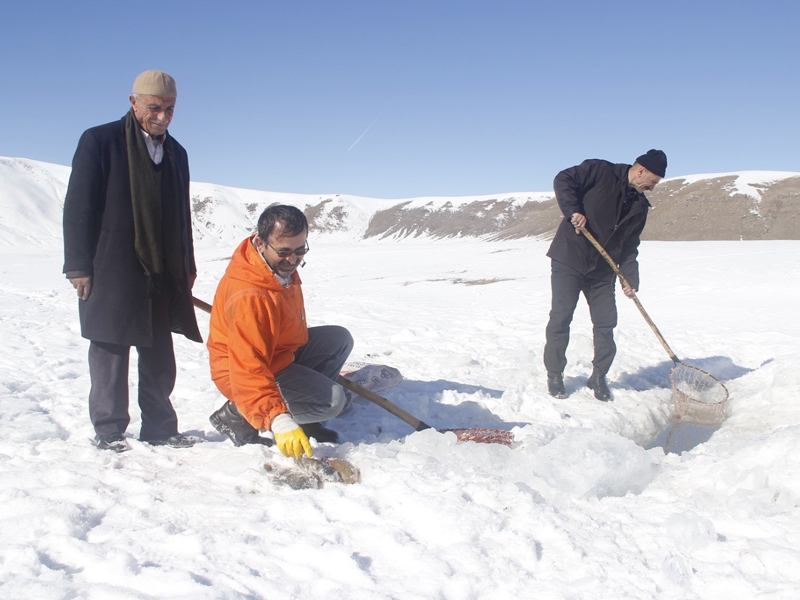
(155, 83)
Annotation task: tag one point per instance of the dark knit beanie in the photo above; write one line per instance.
(654, 161)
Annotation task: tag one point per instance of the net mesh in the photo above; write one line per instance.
(698, 396)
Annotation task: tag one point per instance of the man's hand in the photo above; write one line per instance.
(290, 437)
(578, 221)
(628, 291)
(83, 285)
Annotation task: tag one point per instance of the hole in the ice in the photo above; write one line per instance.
(681, 436)
(699, 400)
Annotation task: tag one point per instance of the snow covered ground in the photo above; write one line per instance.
(576, 509)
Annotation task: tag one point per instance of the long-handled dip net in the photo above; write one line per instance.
(698, 396)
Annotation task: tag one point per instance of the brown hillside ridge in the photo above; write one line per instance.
(705, 210)
(494, 219)
(701, 210)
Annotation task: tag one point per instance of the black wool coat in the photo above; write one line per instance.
(99, 241)
(597, 188)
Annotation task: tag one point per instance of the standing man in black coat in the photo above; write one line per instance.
(129, 254)
(608, 201)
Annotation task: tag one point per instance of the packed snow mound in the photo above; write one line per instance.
(595, 463)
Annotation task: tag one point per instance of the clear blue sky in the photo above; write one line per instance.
(463, 97)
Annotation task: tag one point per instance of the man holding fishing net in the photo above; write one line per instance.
(608, 201)
(276, 373)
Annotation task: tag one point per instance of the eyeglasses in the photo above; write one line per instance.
(287, 253)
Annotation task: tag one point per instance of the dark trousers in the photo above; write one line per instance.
(108, 397)
(567, 285)
(308, 385)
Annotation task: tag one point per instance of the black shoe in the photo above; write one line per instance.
(555, 385)
(111, 441)
(320, 433)
(174, 441)
(597, 382)
(229, 421)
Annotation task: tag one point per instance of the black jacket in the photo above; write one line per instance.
(598, 189)
(99, 241)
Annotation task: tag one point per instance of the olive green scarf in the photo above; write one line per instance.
(156, 211)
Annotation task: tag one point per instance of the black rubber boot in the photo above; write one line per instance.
(229, 420)
(555, 385)
(320, 433)
(597, 382)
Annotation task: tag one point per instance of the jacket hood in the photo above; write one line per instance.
(247, 265)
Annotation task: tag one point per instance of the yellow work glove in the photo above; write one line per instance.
(290, 437)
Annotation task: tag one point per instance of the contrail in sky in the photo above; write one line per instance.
(365, 133)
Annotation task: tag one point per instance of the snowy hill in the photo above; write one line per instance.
(31, 199)
(227, 214)
(746, 205)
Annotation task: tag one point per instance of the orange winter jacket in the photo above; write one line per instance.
(256, 327)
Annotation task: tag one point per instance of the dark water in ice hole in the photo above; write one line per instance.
(681, 436)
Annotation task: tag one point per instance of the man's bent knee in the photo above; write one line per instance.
(343, 337)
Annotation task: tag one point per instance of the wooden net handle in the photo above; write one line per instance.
(626, 285)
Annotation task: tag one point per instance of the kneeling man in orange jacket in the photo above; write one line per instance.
(276, 373)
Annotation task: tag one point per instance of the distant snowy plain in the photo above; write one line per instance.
(577, 508)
